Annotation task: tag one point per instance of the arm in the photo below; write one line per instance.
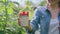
(34, 22)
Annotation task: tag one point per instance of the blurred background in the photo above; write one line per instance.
(9, 10)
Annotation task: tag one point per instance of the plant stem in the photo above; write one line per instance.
(6, 17)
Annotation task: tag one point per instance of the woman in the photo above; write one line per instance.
(48, 17)
(59, 4)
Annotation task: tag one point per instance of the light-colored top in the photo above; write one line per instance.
(53, 28)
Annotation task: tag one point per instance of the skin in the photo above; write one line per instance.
(53, 8)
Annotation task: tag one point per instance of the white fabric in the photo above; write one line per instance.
(53, 28)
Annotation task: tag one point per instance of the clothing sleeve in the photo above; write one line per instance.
(35, 21)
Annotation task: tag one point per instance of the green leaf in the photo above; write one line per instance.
(2, 32)
(10, 11)
(2, 7)
(4, 0)
(11, 5)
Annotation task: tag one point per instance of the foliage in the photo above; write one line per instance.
(8, 18)
(43, 3)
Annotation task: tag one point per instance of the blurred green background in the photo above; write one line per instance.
(9, 15)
